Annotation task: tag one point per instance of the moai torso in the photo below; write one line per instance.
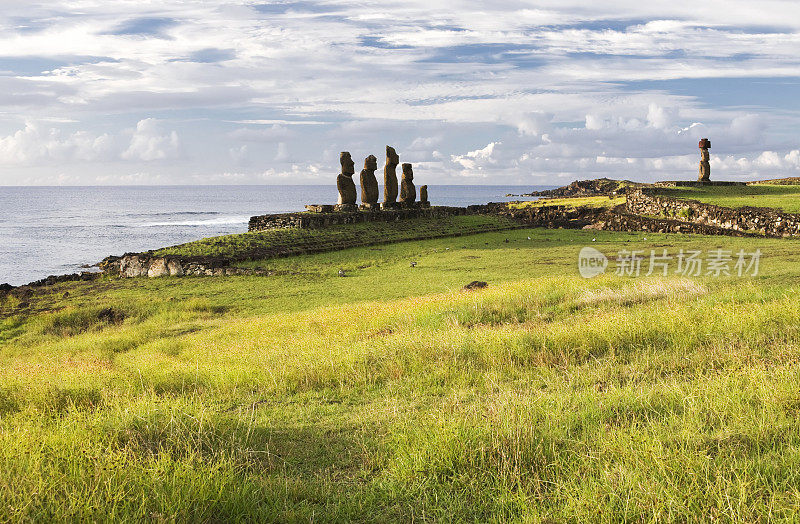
(390, 176)
(423, 193)
(369, 184)
(408, 193)
(344, 182)
(704, 174)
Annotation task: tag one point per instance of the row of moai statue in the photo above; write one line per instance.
(369, 184)
(705, 165)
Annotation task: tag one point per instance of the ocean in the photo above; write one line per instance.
(58, 230)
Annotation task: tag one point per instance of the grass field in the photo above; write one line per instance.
(299, 241)
(784, 197)
(572, 202)
(393, 395)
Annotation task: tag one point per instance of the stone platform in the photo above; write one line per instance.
(322, 217)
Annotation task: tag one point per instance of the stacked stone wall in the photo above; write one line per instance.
(755, 220)
(621, 221)
(306, 220)
(550, 216)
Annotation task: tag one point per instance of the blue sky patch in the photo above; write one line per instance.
(767, 93)
(154, 27)
(36, 65)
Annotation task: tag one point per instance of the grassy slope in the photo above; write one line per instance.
(785, 197)
(392, 395)
(298, 241)
(573, 202)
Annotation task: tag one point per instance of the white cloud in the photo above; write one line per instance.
(150, 142)
(478, 159)
(535, 123)
(425, 143)
(661, 117)
(33, 144)
(240, 155)
(282, 153)
(270, 134)
(550, 87)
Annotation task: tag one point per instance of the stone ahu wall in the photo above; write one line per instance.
(309, 220)
(616, 219)
(644, 210)
(551, 216)
(144, 265)
(754, 220)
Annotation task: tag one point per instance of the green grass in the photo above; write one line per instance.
(283, 242)
(784, 197)
(392, 395)
(572, 202)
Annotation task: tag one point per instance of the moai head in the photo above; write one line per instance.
(371, 163)
(705, 143)
(408, 172)
(348, 166)
(391, 157)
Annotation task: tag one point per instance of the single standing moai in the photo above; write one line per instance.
(390, 178)
(408, 193)
(705, 166)
(423, 196)
(369, 184)
(345, 184)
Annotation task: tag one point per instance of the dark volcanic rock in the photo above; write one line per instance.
(475, 284)
(57, 279)
(585, 188)
(111, 315)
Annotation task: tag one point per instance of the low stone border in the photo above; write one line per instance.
(143, 264)
(313, 220)
(761, 220)
(621, 221)
(552, 217)
(140, 265)
(643, 211)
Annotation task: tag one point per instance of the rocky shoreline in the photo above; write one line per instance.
(644, 210)
(586, 188)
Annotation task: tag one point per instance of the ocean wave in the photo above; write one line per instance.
(221, 221)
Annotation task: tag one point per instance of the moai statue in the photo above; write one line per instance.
(705, 166)
(369, 184)
(408, 193)
(423, 196)
(345, 184)
(390, 178)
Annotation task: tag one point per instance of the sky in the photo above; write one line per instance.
(513, 92)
